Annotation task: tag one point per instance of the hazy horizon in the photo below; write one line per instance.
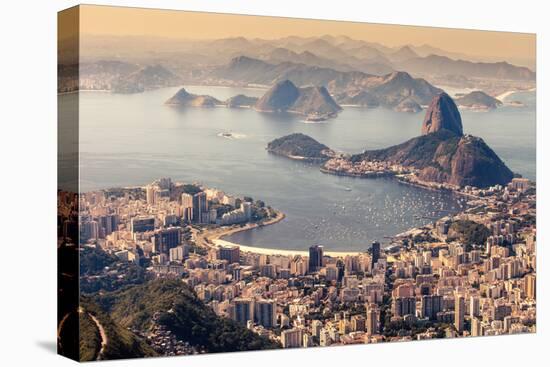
(179, 24)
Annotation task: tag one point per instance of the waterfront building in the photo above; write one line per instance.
(315, 258)
(241, 215)
(298, 266)
(375, 252)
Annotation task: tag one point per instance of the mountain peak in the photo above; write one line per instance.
(279, 97)
(398, 75)
(442, 114)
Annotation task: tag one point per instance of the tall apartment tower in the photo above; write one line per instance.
(531, 286)
(292, 338)
(460, 309)
(430, 305)
(373, 319)
(187, 206)
(315, 258)
(243, 310)
(265, 313)
(150, 194)
(375, 252)
(200, 207)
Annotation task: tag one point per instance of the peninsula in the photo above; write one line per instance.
(442, 156)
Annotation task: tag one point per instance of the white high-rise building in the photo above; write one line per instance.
(150, 194)
(187, 206)
(292, 338)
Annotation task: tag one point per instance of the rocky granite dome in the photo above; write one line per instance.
(286, 97)
(393, 88)
(278, 98)
(314, 100)
(443, 154)
(442, 114)
(446, 158)
(299, 146)
(478, 99)
(184, 98)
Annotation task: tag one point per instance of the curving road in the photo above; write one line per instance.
(103, 336)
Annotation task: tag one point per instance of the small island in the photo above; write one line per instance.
(184, 98)
(241, 101)
(408, 105)
(314, 103)
(300, 147)
(478, 100)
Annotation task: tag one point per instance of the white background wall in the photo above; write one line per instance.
(28, 184)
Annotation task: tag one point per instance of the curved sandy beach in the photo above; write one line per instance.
(269, 251)
(216, 238)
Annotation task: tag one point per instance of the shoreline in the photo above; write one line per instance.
(217, 239)
(282, 252)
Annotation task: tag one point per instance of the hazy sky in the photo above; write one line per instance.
(120, 21)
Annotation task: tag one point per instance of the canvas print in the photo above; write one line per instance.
(233, 183)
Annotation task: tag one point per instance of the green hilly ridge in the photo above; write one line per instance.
(121, 343)
(182, 313)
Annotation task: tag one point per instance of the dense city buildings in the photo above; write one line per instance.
(469, 274)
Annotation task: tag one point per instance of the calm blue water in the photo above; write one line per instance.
(128, 140)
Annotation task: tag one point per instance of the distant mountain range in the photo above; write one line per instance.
(442, 65)
(134, 64)
(124, 77)
(388, 90)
